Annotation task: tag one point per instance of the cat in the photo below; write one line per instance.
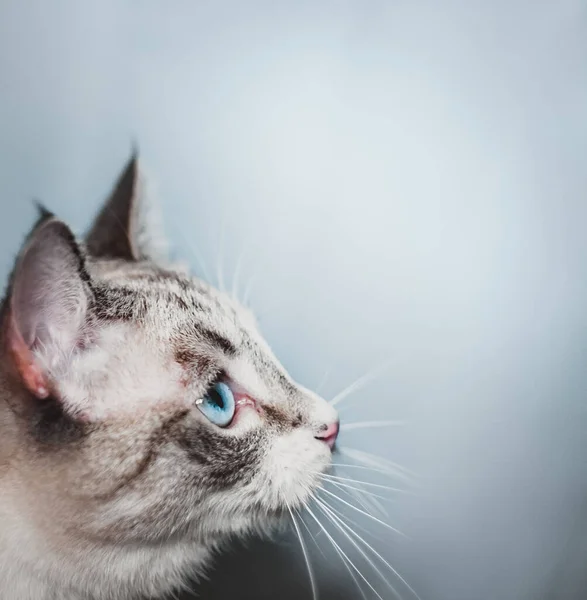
(144, 420)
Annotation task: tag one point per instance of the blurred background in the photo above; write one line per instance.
(393, 183)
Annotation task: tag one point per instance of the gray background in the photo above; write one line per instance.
(404, 181)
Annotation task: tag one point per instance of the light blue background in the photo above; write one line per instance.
(405, 181)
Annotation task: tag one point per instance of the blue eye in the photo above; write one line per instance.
(218, 404)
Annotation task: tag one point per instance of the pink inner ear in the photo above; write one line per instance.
(24, 361)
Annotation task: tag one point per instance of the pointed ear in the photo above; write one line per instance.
(48, 304)
(127, 227)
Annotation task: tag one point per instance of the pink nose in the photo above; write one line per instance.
(329, 434)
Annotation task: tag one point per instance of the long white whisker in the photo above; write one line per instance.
(383, 560)
(312, 537)
(356, 581)
(306, 555)
(365, 468)
(370, 424)
(341, 552)
(375, 485)
(340, 524)
(366, 514)
(368, 500)
(341, 485)
(355, 523)
(360, 499)
(378, 462)
(359, 383)
(322, 381)
(344, 562)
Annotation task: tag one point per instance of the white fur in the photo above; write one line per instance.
(107, 380)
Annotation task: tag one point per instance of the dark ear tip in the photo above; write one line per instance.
(50, 229)
(43, 213)
(44, 218)
(51, 232)
(132, 169)
(134, 151)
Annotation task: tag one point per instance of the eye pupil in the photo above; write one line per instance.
(216, 398)
(218, 404)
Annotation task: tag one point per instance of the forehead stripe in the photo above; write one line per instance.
(216, 339)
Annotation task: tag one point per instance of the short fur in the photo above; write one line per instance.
(113, 485)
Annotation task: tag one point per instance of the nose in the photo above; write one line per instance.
(329, 434)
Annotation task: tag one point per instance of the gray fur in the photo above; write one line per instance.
(115, 485)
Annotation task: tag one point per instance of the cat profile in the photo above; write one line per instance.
(144, 420)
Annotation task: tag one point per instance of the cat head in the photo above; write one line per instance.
(145, 405)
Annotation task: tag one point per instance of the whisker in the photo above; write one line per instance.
(334, 519)
(383, 560)
(375, 485)
(366, 514)
(341, 557)
(364, 467)
(355, 523)
(220, 261)
(306, 556)
(312, 537)
(322, 381)
(367, 500)
(356, 581)
(248, 289)
(361, 500)
(342, 553)
(378, 462)
(344, 560)
(197, 255)
(370, 424)
(348, 568)
(340, 485)
(236, 277)
(359, 383)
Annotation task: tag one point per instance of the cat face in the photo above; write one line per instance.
(147, 406)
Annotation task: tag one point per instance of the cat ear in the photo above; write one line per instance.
(128, 226)
(48, 302)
